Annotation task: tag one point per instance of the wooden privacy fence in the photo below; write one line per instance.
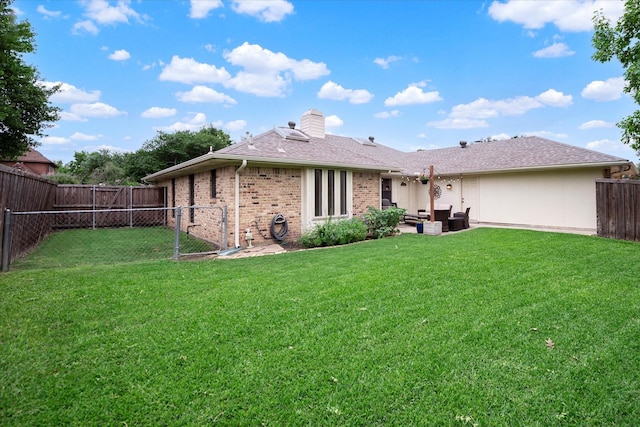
(618, 208)
(97, 197)
(24, 192)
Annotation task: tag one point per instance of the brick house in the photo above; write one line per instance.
(310, 176)
(32, 162)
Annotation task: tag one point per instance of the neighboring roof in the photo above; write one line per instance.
(29, 159)
(33, 156)
(286, 146)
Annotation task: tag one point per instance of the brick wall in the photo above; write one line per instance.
(264, 192)
(366, 192)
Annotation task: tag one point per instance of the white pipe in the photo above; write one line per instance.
(236, 232)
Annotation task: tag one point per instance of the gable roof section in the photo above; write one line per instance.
(526, 153)
(285, 147)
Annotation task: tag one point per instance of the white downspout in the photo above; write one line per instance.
(236, 231)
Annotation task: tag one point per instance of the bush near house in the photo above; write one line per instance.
(334, 233)
(383, 223)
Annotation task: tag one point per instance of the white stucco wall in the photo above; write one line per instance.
(558, 198)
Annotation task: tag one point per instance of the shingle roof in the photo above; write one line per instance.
(516, 153)
(33, 156)
(292, 146)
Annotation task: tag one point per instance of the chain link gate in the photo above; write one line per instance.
(92, 237)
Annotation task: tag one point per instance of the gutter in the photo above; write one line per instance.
(237, 203)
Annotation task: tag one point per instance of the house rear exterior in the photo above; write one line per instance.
(310, 176)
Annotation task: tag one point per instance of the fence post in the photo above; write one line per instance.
(93, 216)
(131, 206)
(226, 227)
(6, 240)
(176, 243)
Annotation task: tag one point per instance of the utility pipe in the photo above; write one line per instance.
(236, 232)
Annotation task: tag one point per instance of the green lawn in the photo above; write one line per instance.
(486, 327)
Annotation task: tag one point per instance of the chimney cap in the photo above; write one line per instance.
(371, 138)
(463, 144)
(292, 125)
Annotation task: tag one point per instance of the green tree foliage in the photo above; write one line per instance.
(621, 41)
(24, 103)
(163, 151)
(169, 149)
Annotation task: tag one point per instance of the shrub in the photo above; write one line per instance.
(383, 223)
(333, 233)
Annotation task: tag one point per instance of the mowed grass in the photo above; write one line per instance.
(89, 247)
(485, 327)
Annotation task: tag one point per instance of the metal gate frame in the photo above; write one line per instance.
(223, 244)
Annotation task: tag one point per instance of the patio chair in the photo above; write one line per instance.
(464, 215)
(386, 204)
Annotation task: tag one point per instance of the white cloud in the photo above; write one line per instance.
(103, 13)
(412, 95)
(201, 8)
(616, 148)
(595, 124)
(257, 60)
(269, 74)
(608, 90)
(159, 113)
(48, 13)
(96, 109)
(546, 134)
(68, 93)
(79, 136)
(204, 94)
(331, 90)
(194, 123)
(483, 108)
(556, 50)
(235, 125)
(55, 140)
(387, 114)
(500, 137)
(567, 15)
(553, 98)
(265, 10)
(458, 123)
(188, 70)
(384, 62)
(71, 117)
(120, 55)
(333, 121)
(85, 26)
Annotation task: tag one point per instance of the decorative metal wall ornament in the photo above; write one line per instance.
(437, 192)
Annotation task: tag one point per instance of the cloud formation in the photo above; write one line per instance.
(331, 90)
(265, 10)
(607, 90)
(413, 95)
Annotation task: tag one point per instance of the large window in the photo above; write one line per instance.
(331, 196)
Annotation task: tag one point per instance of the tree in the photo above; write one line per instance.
(24, 103)
(169, 149)
(621, 41)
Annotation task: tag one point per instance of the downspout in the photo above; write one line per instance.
(236, 231)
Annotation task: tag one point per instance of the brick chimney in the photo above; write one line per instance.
(312, 123)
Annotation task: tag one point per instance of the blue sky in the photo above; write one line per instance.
(413, 74)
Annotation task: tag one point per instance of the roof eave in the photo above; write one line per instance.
(195, 165)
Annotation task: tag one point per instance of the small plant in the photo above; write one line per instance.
(423, 178)
(334, 233)
(383, 223)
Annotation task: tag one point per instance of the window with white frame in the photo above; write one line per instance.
(331, 192)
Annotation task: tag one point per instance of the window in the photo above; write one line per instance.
(318, 192)
(173, 197)
(343, 192)
(213, 184)
(331, 192)
(192, 197)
